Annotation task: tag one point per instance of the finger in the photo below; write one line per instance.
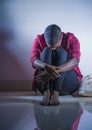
(41, 78)
(52, 77)
(52, 74)
(56, 74)
(38, 79)
(46, 79)
(40, 75)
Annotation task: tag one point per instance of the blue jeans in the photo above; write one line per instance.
(68, 82)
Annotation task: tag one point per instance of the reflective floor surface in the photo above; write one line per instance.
(25, 113)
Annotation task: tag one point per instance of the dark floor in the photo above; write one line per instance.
(21, 111)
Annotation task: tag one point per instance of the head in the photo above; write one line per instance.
(53, 36)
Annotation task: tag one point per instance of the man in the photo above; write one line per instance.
(55, 56)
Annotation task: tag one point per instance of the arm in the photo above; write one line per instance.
(49, 69)
(69, 65)
(74, 55)
(48, 74)
(39, 64)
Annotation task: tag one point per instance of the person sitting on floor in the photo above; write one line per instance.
(55, 55)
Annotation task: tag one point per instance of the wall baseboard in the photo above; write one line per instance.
(15, 85)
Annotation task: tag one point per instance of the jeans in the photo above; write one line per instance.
(68, 82)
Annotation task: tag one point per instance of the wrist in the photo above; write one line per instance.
(59, 69)
(45, 65)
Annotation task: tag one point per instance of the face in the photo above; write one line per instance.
(57, 45)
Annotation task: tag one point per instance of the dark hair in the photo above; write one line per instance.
(52, 34)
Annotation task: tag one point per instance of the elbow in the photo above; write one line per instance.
(76, 61)
(35, 63)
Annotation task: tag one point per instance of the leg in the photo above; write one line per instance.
(46, 57)
(59, 57)
(68, 81)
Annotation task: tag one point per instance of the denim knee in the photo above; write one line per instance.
(46, 55)
(61, 51)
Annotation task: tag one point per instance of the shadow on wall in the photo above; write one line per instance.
(10, 66)
(12, 74)
(15, 69)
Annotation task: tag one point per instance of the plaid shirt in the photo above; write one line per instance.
(70, 43)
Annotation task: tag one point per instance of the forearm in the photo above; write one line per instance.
(69, 65)
(49, 69)
(39, 64)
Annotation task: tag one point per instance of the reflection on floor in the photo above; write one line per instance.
(19, 111)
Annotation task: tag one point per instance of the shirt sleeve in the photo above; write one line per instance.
(74, 48)
(35, 51)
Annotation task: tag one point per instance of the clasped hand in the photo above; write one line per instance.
(50, 73)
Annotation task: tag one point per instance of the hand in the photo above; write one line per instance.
(52, 71)
(43, 77)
